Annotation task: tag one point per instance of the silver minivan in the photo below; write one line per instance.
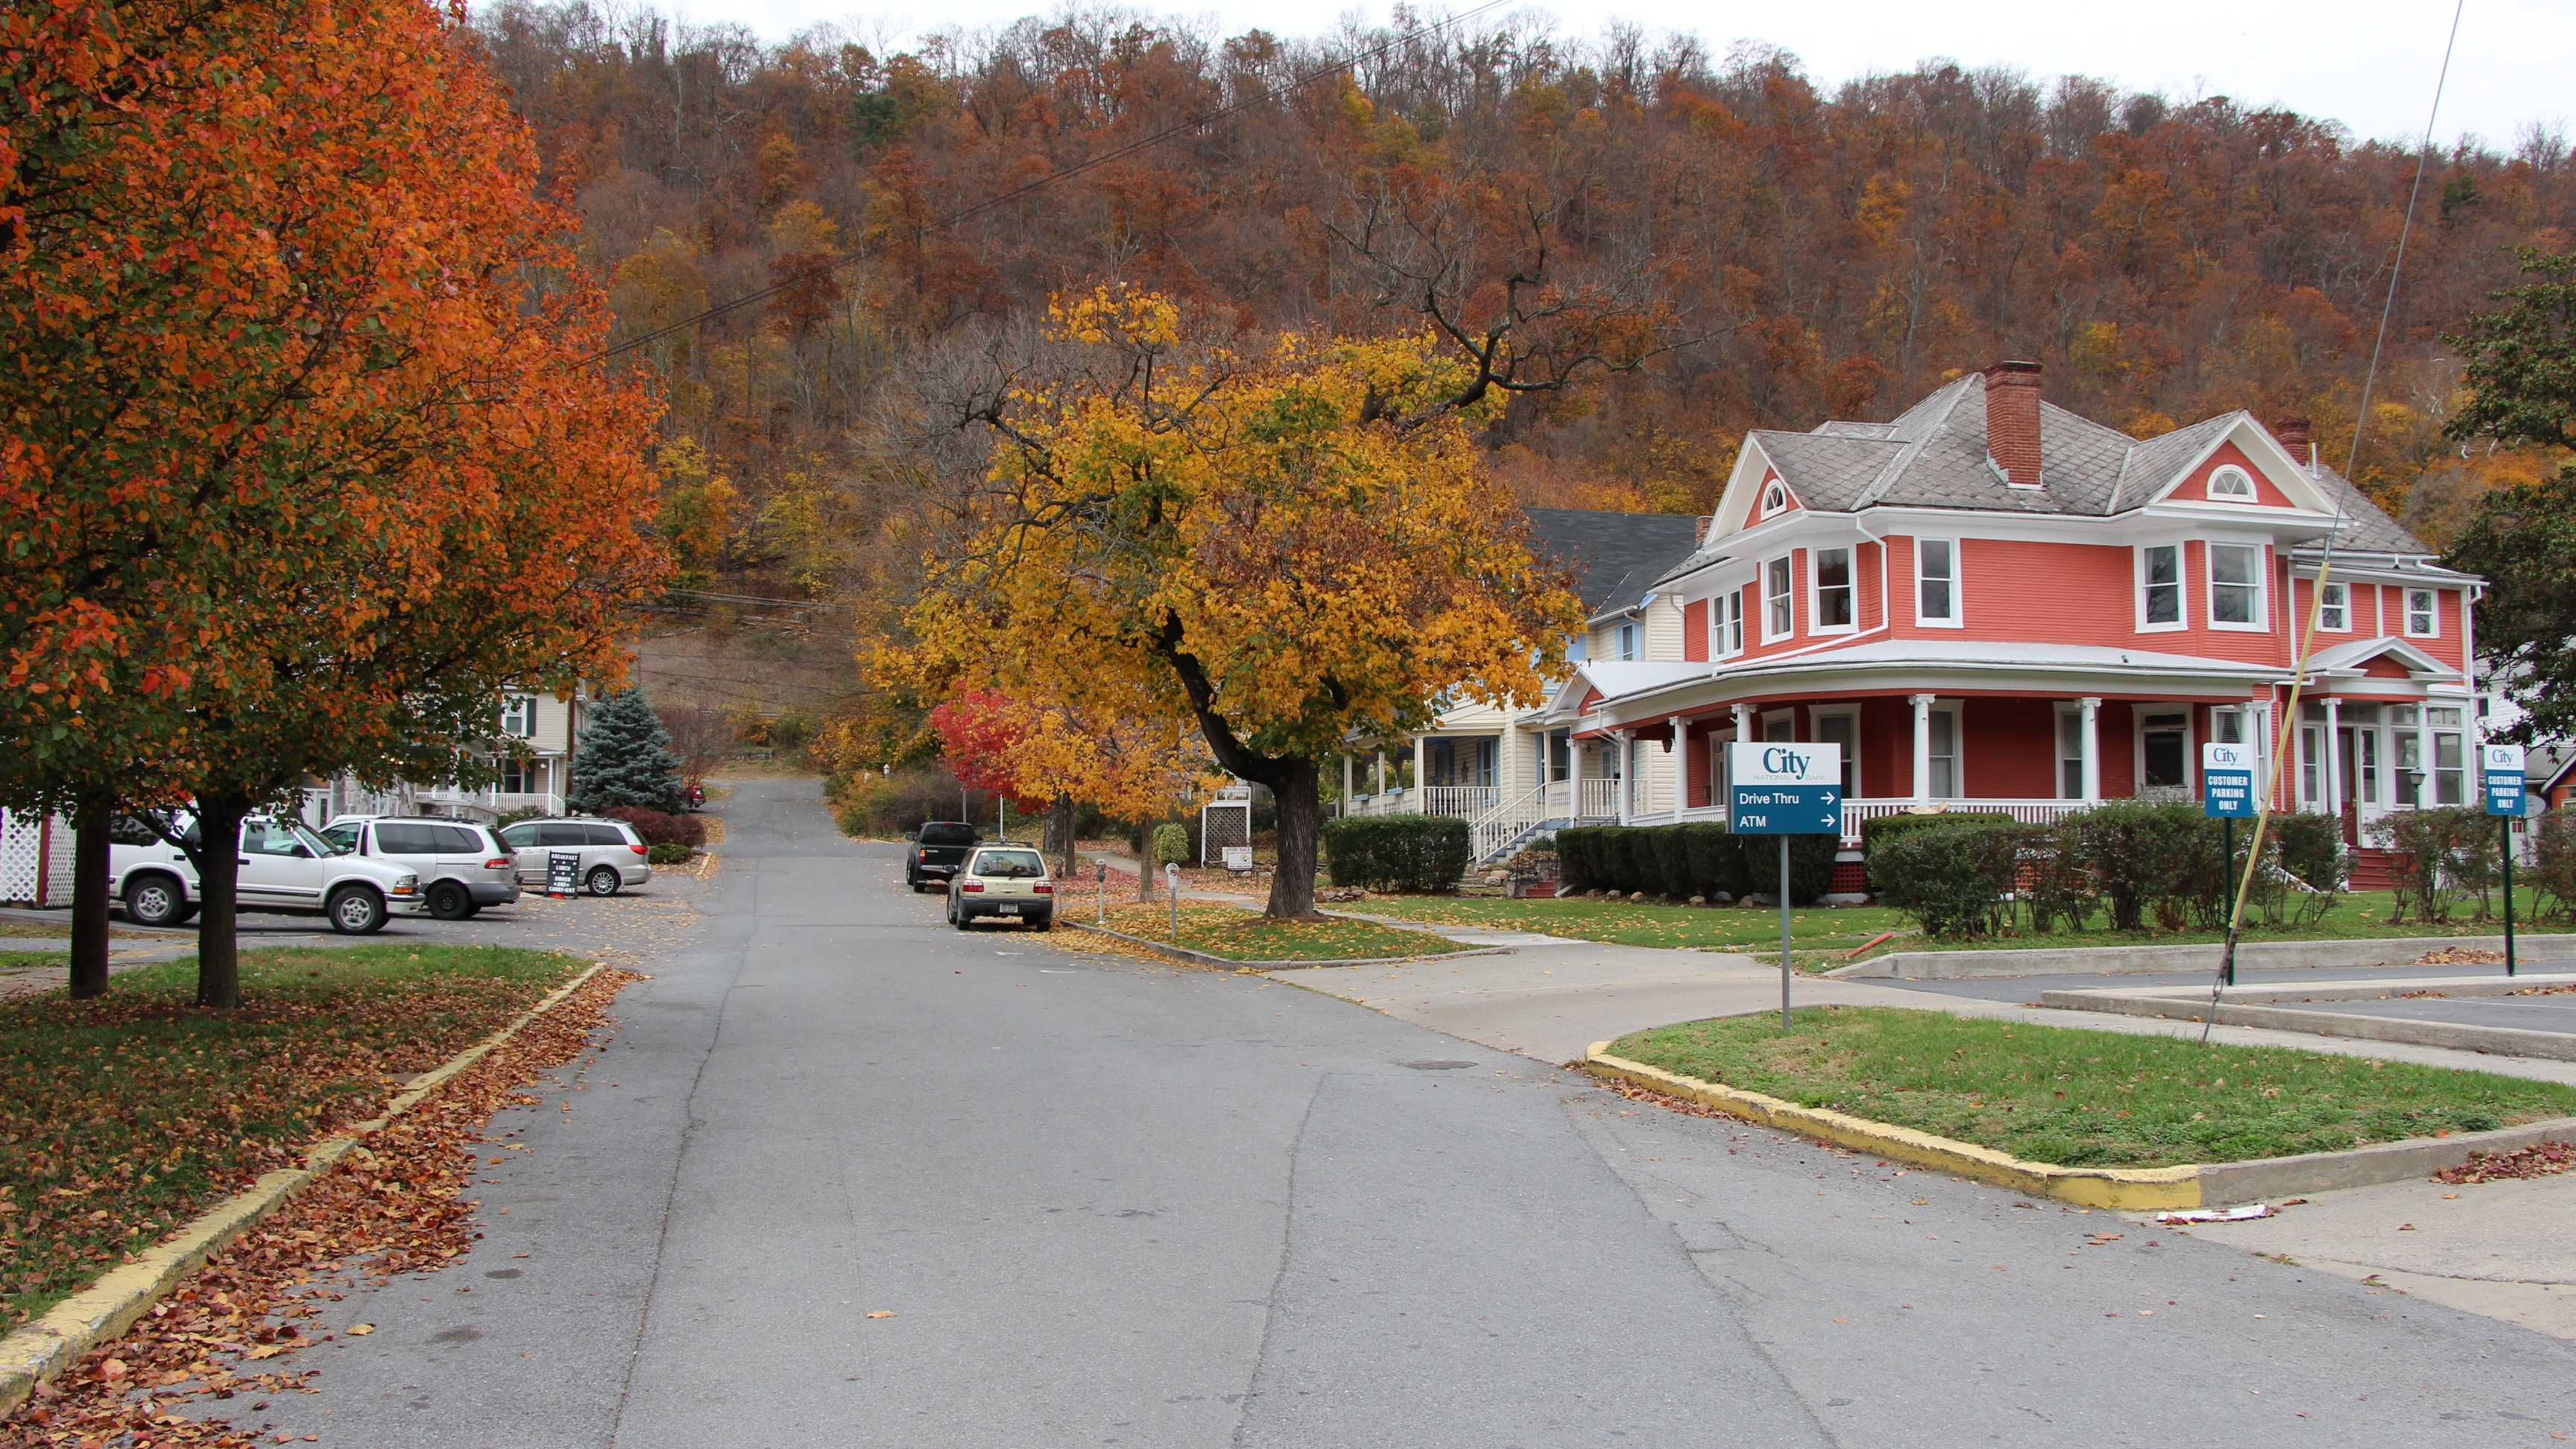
(462, 868)
(611, 851)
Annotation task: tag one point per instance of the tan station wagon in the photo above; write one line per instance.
(1008, 881)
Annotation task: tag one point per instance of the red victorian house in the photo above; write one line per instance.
(1994, 603)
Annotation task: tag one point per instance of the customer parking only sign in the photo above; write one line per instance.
(1786, 789)
(2227, 782)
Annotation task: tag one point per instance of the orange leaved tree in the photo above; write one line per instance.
(302, 463)
(1288, 547)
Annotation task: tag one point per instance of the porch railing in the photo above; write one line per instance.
(1508, 820)
(1469, 801)
(2034, 812)
(1600, 800)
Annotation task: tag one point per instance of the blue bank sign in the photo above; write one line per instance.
(1785, 789)
(2503, 767)
(2227, 782)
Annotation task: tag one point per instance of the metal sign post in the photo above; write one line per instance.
(2503, 768)
(1100, 880)
(2227, 795)
(1785, 789)
(1172, 883)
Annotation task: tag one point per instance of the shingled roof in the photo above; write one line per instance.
(1936, 455)
(1615, 556)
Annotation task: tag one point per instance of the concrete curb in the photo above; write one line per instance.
(2134, 1189)
(2502, 1041)
(1202, 958)
(103, 1310)
(2127, 960)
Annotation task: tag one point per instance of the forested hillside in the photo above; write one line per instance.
(1758, 249)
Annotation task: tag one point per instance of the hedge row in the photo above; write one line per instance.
(2162, 865)
(1700, 859)
(1398, 852)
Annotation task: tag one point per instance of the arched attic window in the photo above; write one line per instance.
(1775, 496)
(2231, 484)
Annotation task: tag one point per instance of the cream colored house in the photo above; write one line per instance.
(547, 725)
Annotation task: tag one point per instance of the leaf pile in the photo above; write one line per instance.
(390, 1207)
(2540, 1160)
(124, 1116)
(1241, 935)
(2461, 956)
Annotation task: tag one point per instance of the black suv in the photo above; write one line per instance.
(938, 851)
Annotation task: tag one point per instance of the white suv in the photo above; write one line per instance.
(461, 866)
(283, 867)
(611, 852)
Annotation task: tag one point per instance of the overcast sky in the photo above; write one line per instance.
(2367, 63)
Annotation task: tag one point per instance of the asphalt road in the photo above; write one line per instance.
(1112, 1203)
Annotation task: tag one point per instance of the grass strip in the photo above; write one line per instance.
(124, 1116)
(2359, 916)
(1241, 935)
(2089, 1098)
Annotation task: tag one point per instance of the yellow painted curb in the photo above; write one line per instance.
(2126, 1189)
(104, 1309)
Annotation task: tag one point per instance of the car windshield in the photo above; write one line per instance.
(1010, 864)
(939, 833)
(342, 838)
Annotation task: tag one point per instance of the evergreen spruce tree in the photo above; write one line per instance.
(625, 757)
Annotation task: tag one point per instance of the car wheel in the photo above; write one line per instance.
(155, 900)
(957, 917)
(602, 880)
(1042, 923)
(450, 901)
(356, 911)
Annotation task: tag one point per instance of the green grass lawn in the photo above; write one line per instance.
(124, 1116)
(27, 960)
(2088, 1098)
(1241, 935)
(1831, 933)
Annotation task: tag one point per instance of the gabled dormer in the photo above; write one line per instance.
(2229, 468)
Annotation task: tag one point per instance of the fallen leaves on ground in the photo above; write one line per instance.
(126, 1115)
(2461, 956)
(2540, 1160)
(390, 1207)
(1241, 935)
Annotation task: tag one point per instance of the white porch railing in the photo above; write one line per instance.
(2034, 812)
(1600, 800)
(1508, 820)
(1466, 800)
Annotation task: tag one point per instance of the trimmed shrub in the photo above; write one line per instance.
(1811, 865)
(1954, 883)
(1716, 861)
(1888, 827)
(658, 828)
(1171, 844)
(2150, 859)
(1672, 862)
(1578, 853)
(1640, 868)
(668, 852)
(1399, 852)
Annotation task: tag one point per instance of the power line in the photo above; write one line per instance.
(1103, 159)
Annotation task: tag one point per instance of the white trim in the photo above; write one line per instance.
(1788, 596)
(2181, 587)
(2262, 620)
(1958, 616)
(1816, 589)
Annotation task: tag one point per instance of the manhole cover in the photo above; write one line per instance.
(1436, 1066)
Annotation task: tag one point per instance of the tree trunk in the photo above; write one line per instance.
(93, 816)
(1301, 827)
(1059, 839)
(219, 822)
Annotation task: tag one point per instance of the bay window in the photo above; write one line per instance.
(2235, 586)
(2160, 582)
(1833, 606)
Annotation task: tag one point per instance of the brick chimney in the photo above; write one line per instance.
(2012, 421)
(2297, 436)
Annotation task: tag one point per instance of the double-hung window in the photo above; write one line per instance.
(519, 715)
(1941, 754)
(1628, 641)
(2423, 620)
(1775, 599)
(2160, 579)
(1726, 624)
(1936, 581)
(1833, 611)
(2235, 586)
(2450, 756)
(2334, 609)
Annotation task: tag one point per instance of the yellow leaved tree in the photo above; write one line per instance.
(1288, 546)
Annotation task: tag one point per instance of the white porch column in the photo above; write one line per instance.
(1922, 748)
(1627, 768)
(1681, 765)
(1346, 782)
(1378, 786)
(2092, 728)
(1573, 775)
(2330, 779)
(1421, 769)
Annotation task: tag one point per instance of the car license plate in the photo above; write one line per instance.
(1010, 910)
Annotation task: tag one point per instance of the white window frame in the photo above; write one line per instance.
(1786, 598)
(1630, 638)
(1726, 624)
(2069, 713)
(1816, 588)
(1775, 499)
(524, 708)
(1816, 716)
(1957, 758)
(2138, 716)
(1957, 617)
(2181, 586)
(2230, 470)
(2262, 620)
(2432, 611)
(2334, 617)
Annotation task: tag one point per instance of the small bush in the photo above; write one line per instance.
(668, 852)
(2552, 872)
(1398, 852)
(658, 828)
(1171, 844)
(1954, 883)
(1888, 827)
(2440, 856)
